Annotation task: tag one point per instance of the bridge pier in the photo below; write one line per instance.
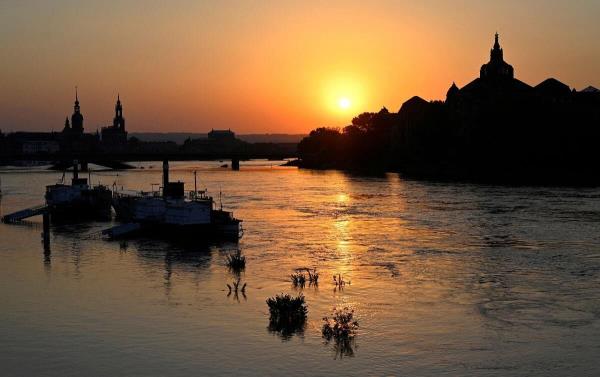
(235, 164)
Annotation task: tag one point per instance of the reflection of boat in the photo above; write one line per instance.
(172, 213)
(78, 200)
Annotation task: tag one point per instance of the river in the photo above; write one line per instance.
(444, 279)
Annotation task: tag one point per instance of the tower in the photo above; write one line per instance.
(496, 68)
(119, 121)
(115, 136)
(496, 53)
(77, 118)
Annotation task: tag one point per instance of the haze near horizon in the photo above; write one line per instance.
(284, 67)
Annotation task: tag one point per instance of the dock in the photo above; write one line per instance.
(25, 214)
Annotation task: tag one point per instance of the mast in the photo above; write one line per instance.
(75, 170)
(165, 177)
(195, 185)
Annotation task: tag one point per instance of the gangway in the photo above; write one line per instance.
(24, 214)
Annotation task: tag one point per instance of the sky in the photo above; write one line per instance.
(270, 66)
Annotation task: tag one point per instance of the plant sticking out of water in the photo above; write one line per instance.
(339, 281)
(236, 262)
(341, 329)
(287, 314)
(236, 288)
(299, 278)
(313, 277)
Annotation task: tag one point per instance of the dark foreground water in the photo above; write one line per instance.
(446, 279)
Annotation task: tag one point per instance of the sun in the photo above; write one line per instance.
(344, 103)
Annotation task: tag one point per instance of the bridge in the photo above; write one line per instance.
(119, 161)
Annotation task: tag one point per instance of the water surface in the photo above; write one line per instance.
(446, 279)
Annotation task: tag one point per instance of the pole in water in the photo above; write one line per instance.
(46, 233)
(195, 185)
(165, 177)
(75, 169)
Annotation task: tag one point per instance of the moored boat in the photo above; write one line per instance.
(175, 213)
(78, 200)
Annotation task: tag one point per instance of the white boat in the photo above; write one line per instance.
(175, 213)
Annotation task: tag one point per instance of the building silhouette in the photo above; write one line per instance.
(494, 128)
(222, 136)
(75, 128)
(499, 128)
(496, 68)
(73, 138)
(115, 136)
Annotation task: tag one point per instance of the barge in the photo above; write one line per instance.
(172, 213)
(70, 203)
(78, 200)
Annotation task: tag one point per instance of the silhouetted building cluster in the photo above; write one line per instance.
(113, 141)
(72, 138)
(495, 128)
(216, 141)
(222, 136)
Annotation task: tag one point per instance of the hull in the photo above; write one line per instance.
(124, 208)
(79, 211)
(192, 232)
(87, 204)
(185, 233)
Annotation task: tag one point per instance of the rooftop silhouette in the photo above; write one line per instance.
(495, 128)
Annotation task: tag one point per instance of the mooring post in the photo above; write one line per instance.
(46, 233)
(235, 164)
(75, 169)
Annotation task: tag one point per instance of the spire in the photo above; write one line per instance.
(496, 53)
(118, 107)
(77, 118)
(76, 107)
(496, 67)
(119, 121)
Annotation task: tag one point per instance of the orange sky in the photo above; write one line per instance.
(270, 66)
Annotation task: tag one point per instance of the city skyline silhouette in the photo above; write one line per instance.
(240, 68)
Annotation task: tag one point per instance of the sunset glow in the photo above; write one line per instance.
(265, 67)
(295, 187)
